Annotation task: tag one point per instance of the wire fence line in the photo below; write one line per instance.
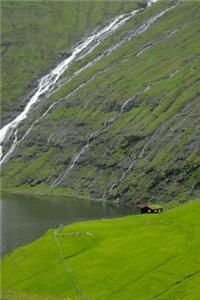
(76, 234)
(67, 268)
(100, 218)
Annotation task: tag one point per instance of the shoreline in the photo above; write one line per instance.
(46, 194)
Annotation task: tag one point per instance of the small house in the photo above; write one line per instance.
(150, 209)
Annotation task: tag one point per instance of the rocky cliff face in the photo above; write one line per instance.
(36, 35)
(122, 122)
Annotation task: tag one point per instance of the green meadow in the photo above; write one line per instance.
(140, 257)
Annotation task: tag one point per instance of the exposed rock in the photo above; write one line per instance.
(196, 185)
(131, 140)
(65, 53)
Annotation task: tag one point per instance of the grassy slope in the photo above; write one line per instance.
(34, 35)
(166, 117)
(139, 257)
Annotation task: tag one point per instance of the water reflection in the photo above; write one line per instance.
(25, 218)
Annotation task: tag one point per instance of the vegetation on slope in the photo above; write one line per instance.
(157, 133)
(36, 34)
(136, 257)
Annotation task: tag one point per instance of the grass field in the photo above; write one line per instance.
(136, 257)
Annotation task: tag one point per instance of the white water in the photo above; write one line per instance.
(108, 51)
(48, 81)
(16, 142)
(90, 138)
(143, 50)
(134, 161)
(140, 30)
(71, 166)
(150, 2)
(136, 32)
(173, 73)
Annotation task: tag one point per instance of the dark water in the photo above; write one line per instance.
(25, 218)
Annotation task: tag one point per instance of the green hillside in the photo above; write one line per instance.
(139, 257)
(146, 151)
(38, 34)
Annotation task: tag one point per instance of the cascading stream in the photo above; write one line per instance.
(90, 138)
(138, 31)
(94, 135)
(45, 83)
(16, 142)
(141, 29)
(108, 51)
(48, 81)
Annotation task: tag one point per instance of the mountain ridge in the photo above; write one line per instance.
(138, 138)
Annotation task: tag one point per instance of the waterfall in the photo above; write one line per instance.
(94, 135)
(140, 30)
(47, 82)
(16, 142)
(133, 162)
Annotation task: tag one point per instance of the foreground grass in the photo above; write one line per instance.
(23, 296)
(138, 257)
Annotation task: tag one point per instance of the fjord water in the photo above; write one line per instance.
(25, 218)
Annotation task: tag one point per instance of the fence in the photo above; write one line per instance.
(90, 219)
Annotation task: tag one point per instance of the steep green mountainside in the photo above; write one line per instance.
(36, 34)
(139, 257)
(129, 130)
